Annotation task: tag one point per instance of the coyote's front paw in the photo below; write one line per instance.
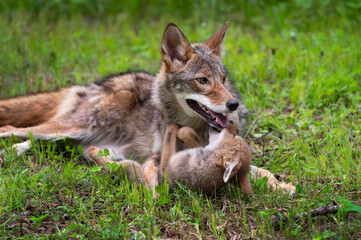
(150, 176)
(172, 128)
(93, 152)
(101, 160)
(19, 148)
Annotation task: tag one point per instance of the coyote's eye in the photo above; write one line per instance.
(202, 80)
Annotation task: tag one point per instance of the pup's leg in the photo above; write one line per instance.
(189, 137)
(259, 173)
(245, 184)
(169, 146)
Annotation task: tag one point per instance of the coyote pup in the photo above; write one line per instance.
(211, 167)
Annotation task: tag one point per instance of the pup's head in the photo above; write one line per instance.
(195, 75)
(234, 151)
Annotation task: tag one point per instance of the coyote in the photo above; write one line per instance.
(128, 113)
(204, 168)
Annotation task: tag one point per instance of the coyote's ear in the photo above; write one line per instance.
(215, 41)
(229, 169)
(175, 45)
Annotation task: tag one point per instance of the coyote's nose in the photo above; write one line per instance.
(232, 105)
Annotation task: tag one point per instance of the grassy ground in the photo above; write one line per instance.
(295, 63)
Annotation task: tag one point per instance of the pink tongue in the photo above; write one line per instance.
(222, 120)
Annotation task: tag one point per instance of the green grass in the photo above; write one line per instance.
(295, 63)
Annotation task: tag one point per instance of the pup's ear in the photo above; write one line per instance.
(229, 168)
(216, 40)
(231, 128)
(175, 45)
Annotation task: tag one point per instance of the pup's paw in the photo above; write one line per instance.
(189, 137)
(286, 188)
(272, 181)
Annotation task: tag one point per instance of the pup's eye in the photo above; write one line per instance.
(223, 79)
(202, 80)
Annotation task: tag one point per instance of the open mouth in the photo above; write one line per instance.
(217, 120)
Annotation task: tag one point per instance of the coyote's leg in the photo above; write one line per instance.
(189, 137)
(147, 173)
(93, 153)
(169, 146)
(259, 173)
(19, 147)
(132, 168)
(150, 175)
(48, 130)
